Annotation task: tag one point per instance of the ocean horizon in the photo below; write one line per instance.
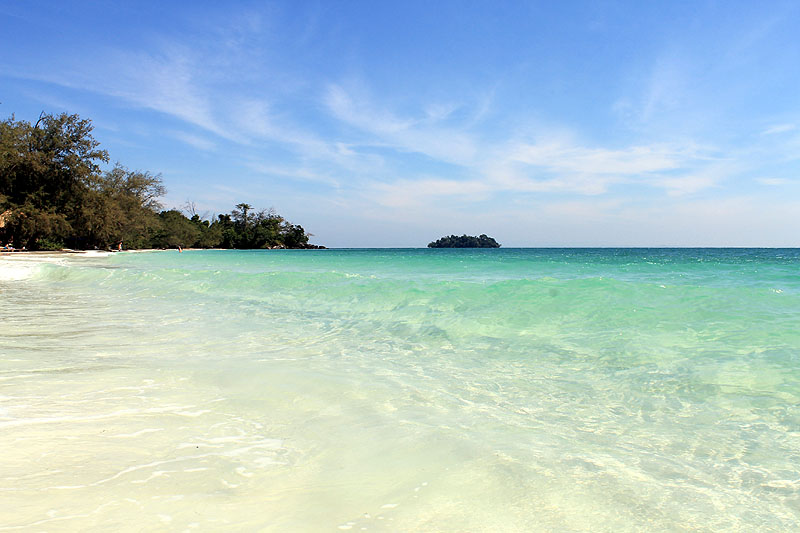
(401, 389)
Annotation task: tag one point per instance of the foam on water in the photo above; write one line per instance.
(17, 267)
(398, 390)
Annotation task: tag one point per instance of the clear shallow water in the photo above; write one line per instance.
(401, 390)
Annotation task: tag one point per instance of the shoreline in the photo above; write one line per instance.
(41, 253)
(67, 251)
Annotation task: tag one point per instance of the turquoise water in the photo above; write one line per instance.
(401, 390)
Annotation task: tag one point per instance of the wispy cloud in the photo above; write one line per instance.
(404, 193)
(570, 158)
(564, 168)
(293, 172)
(201, 143)
(424, 135)
(665, 87)
(779, 128)
(775, 181)
(689, 184)
(570, 167)
(166, 82)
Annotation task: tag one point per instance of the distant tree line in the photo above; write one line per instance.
(465, 241)
(54, 195)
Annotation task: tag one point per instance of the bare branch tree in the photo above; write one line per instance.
(190, 207)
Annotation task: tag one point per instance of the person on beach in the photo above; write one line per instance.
(180, 250)
(119, 246)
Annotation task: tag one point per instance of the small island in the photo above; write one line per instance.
(465, 241)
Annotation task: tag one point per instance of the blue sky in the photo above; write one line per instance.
(391, 124)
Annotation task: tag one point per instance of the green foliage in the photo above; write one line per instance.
(465, 241)
(47, 164)
(294, 236)
(28, 225)
(47, 243)
(119, 206)
(53, 194)
(210, 234)
(245, 229)
(175, 230)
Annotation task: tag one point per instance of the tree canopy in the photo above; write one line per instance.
(53, 194)
(465, 241)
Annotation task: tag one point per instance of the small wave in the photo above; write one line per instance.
(12, 272)
(20, 268)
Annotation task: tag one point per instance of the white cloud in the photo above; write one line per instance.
(779, 128)
(564, 166)
(422, 192)
(665, 88)
(556, 164)
(293, 172)
(774, 181)
(440, 111)
(506, 177)
(689, 184)
(562, 157)
(561, 167)
(424, 136)
(166, 82)
(201, 143)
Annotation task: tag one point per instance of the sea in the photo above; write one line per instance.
(387, 390)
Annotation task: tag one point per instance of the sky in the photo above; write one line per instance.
(390, 124)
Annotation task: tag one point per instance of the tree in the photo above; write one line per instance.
(210, 235)
(294, 236)
(45, 164)
(176, 230)
(44, 172)
(240, 214)
(119, 205)
(36, 228)
(190, 207)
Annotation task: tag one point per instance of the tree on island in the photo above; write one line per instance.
(53, 194)
(465, 241)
